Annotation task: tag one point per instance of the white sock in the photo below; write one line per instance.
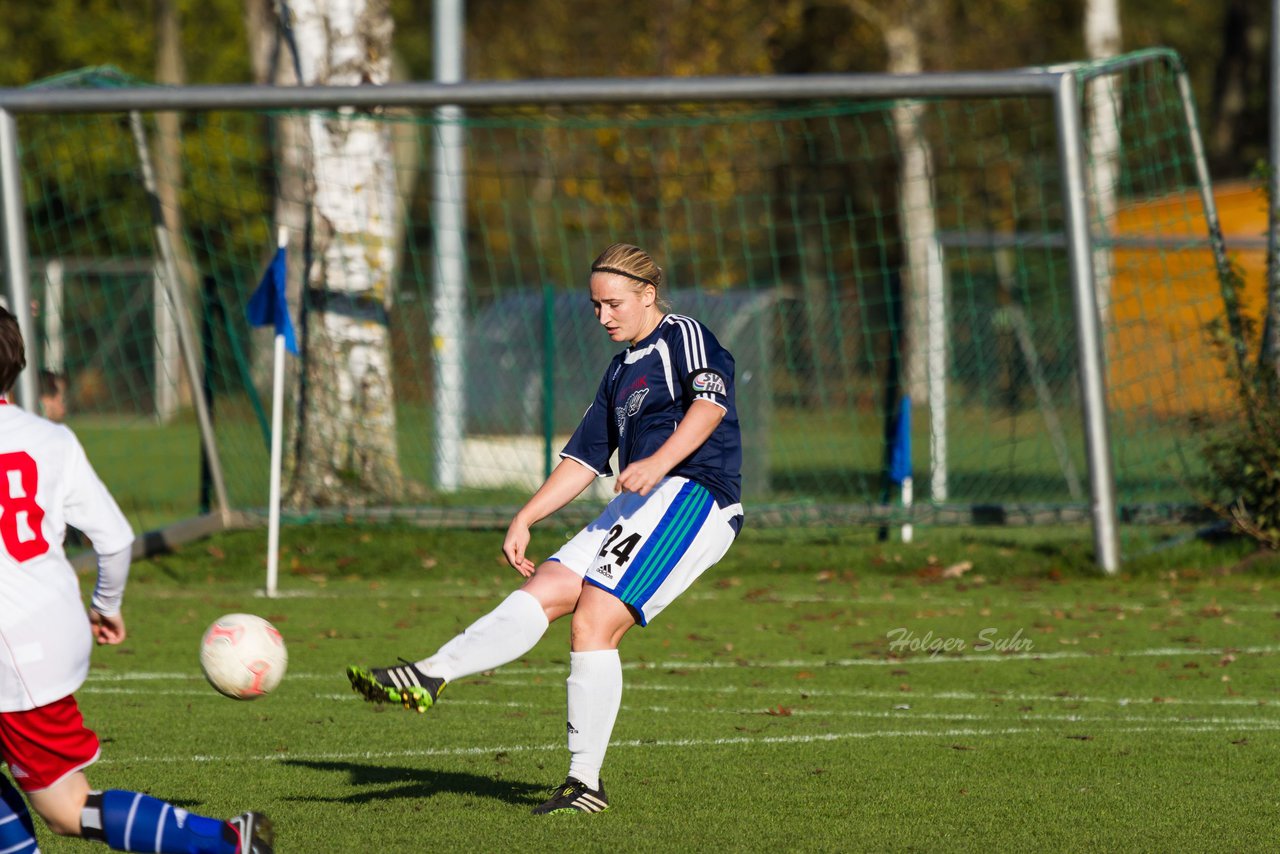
(502, 635)
(595, 693)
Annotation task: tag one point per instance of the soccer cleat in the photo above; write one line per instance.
(253, 833)
(405, 684)
(574, 796)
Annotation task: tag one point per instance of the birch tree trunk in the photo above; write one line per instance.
(346, 443)
(1102, 40)
(917, 216)
(171, 70)
(916, 212)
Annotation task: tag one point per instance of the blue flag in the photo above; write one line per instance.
(268, 304)
(900, 453)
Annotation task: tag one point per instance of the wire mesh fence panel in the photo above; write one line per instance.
(852, 254)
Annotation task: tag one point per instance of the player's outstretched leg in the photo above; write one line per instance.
(132, 821)
(573, 796)
(502, 635)
(404, 684)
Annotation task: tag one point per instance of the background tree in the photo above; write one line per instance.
(171, 70)
(901, 26)
(347, 451)
(1102, 41)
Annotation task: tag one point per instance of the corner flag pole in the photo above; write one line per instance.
(269, 306)
(277, 445)
(900, 461)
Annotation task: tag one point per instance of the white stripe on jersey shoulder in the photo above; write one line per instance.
(664, 353)
(695, 347)
(584, 464)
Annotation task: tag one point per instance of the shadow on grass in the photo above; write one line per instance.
(419, 783)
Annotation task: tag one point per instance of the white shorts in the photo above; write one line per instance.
(647, 550)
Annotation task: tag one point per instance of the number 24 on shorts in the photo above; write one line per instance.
(622, 551)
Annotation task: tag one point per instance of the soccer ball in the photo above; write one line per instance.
(243, 656)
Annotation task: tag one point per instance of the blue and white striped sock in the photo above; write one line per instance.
(17, 833)
(132, 821)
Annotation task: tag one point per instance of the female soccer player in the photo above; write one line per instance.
(46, 482)
(666, 405)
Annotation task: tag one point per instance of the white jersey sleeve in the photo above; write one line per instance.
(46, 481)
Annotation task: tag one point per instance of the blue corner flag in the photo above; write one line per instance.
(900, 454)
(268, 304)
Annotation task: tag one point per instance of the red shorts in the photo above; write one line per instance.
(41, 746)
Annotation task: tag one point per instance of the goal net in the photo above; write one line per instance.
(862, 257)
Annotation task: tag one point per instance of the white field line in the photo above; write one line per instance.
(812, 664)
(1262, 722)
(775, 695)
(1183, 607)
(663, 743)
(912, 695)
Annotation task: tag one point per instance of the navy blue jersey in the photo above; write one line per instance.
(645, 392)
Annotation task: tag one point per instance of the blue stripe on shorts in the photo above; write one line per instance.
(670, 539)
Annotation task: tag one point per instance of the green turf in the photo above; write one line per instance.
(765, 710)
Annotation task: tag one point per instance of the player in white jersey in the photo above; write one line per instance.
(666, 406)
(46, 483)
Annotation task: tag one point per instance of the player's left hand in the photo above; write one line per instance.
(640, 476)
(107, 630)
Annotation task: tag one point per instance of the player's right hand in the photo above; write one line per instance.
(513, 548)
(107, 630)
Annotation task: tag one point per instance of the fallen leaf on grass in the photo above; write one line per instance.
(1081, 737)
(779, 712)
(957, 569)
(962, 747)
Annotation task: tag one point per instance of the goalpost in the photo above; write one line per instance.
(786, 190)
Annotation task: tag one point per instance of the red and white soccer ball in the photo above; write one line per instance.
(243, 656)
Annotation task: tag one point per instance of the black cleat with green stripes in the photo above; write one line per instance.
(404, 684)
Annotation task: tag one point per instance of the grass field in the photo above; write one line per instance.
(808, 694)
